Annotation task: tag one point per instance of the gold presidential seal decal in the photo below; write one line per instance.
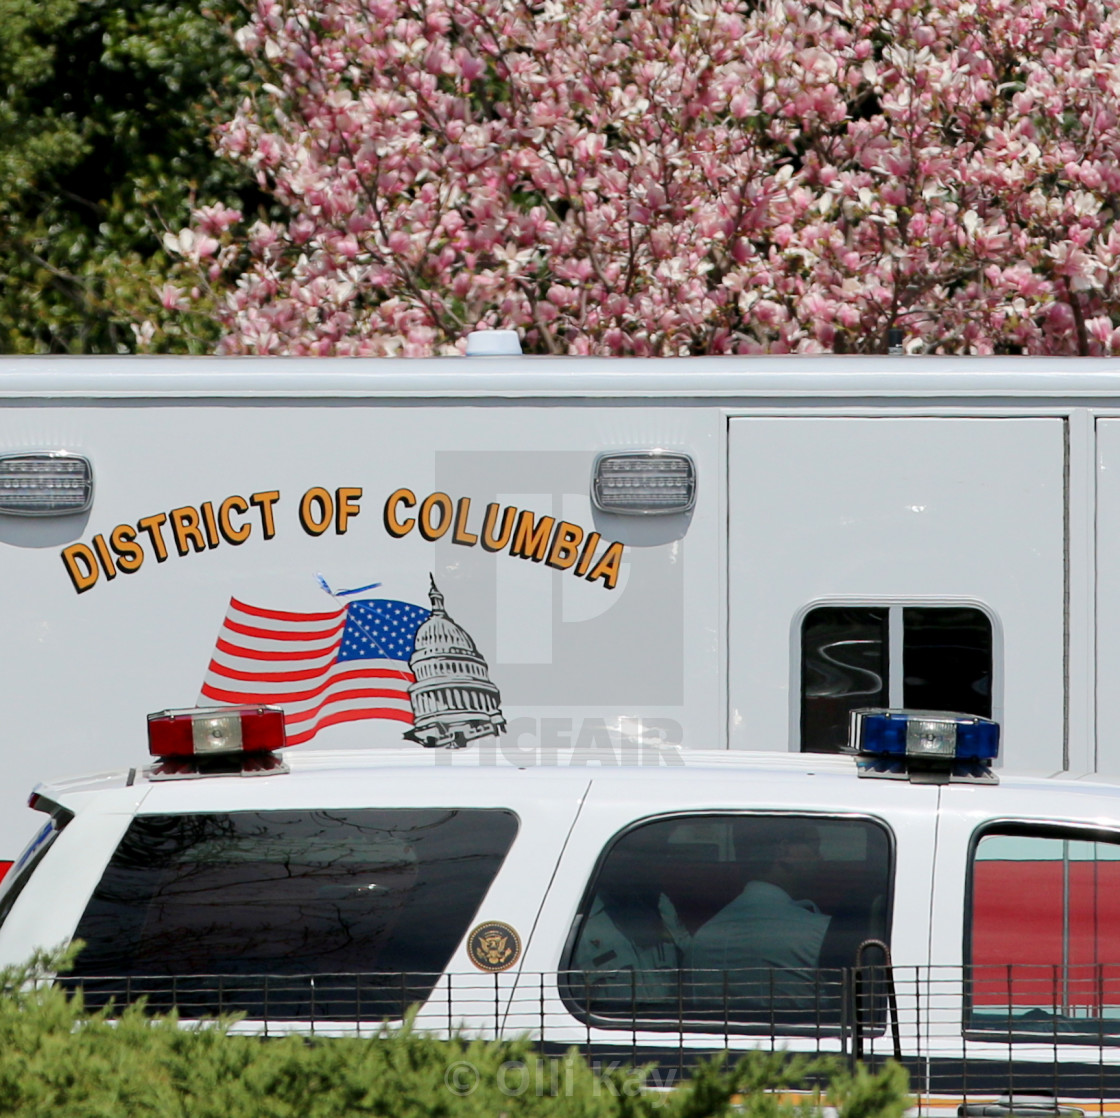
(494, 946)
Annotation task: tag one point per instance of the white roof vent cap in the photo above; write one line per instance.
(493, 343)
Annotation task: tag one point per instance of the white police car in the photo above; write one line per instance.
(969, 925)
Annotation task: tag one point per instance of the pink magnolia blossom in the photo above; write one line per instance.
(659, 178)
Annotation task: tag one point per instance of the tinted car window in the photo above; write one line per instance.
(742, 921)
(386, 894)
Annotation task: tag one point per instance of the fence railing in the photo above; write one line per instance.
(962, 1033)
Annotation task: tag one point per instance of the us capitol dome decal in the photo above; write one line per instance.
(453, 700)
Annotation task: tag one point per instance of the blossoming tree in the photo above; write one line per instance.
(673, 177)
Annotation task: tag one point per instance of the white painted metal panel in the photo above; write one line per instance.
(1108, 597)
(903, 510)
(579, 664)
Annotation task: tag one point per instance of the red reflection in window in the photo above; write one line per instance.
(1030, 948)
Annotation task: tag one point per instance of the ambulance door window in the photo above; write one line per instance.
(921, 657)
(844, 665)
(741, 922)
(1043, 935)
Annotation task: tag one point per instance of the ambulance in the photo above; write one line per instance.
(518, 689)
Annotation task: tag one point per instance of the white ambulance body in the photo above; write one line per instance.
(898, 532)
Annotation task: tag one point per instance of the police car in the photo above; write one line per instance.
(898, 901)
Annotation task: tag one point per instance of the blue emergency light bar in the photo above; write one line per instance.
(899, 742)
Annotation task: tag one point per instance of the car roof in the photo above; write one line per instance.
(320, 764)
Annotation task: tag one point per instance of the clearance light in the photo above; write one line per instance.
(941, 745)
(215, 731)
(52, 484)
(493, 343)
(644, 482)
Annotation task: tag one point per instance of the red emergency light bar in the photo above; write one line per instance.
(214, 731)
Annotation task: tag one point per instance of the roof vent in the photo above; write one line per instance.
(493, 343)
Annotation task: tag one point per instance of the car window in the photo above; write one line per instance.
(289, 908)
(1043, 933)
(739, 921)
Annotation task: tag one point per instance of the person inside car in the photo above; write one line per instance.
(762, 951)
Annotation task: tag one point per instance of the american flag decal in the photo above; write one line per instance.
(320, 668)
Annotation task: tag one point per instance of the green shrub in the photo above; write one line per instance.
(58, 1060)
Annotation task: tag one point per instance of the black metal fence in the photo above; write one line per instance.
(966, 1036)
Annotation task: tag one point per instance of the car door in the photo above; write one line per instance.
(654, 868)
(1024, 990)
(329, 900)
